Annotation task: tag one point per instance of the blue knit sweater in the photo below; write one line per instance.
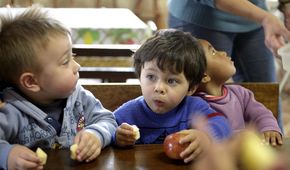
(155, 127)
(204, 13)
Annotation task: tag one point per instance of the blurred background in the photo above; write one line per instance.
(147, 10)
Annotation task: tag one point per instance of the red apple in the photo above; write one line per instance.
(172, 147)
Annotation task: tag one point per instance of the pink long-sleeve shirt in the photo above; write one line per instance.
(241, 108)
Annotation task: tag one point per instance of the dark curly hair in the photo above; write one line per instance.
(173, 50)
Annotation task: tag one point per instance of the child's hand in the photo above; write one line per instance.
(89, 146)
(125, 135)
(21, 157)
(199, 141)
(273, 138)
(221, 155)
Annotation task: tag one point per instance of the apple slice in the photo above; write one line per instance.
(73, 151)
(41, 155)
(136, 132)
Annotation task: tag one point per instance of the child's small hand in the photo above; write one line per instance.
(21, 157)
(89, 146)
(273, 138)
(125, 135)
(199, 141)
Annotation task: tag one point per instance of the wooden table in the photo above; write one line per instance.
(141, 157)
(137, 157)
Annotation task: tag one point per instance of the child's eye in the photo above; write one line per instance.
(65, 62)
(172, 81)
(69, 58)
(151, 77)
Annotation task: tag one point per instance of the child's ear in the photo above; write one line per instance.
(28, 82)
(206, 78)
(192, 90)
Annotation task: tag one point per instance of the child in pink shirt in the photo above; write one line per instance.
(235, 101)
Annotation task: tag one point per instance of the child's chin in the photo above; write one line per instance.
(159, 111)
(66, 95)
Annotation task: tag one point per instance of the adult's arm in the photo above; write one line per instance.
(275, 31)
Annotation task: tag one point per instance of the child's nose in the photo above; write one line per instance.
(223, 53)
(159, 88)
(76, 67)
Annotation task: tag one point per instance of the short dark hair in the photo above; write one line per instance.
(174, 50)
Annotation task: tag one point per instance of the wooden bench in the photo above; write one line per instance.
(106, 74)
(112, 95)
(102, 50)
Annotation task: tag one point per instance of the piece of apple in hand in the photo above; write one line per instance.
(136, 132)
(41, 155)
(73, 151)
(172, 147)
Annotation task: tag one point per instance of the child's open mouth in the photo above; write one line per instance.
(158, 103)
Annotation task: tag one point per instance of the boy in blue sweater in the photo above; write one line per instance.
(170, 65)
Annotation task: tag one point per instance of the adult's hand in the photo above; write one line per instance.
(275, 32)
